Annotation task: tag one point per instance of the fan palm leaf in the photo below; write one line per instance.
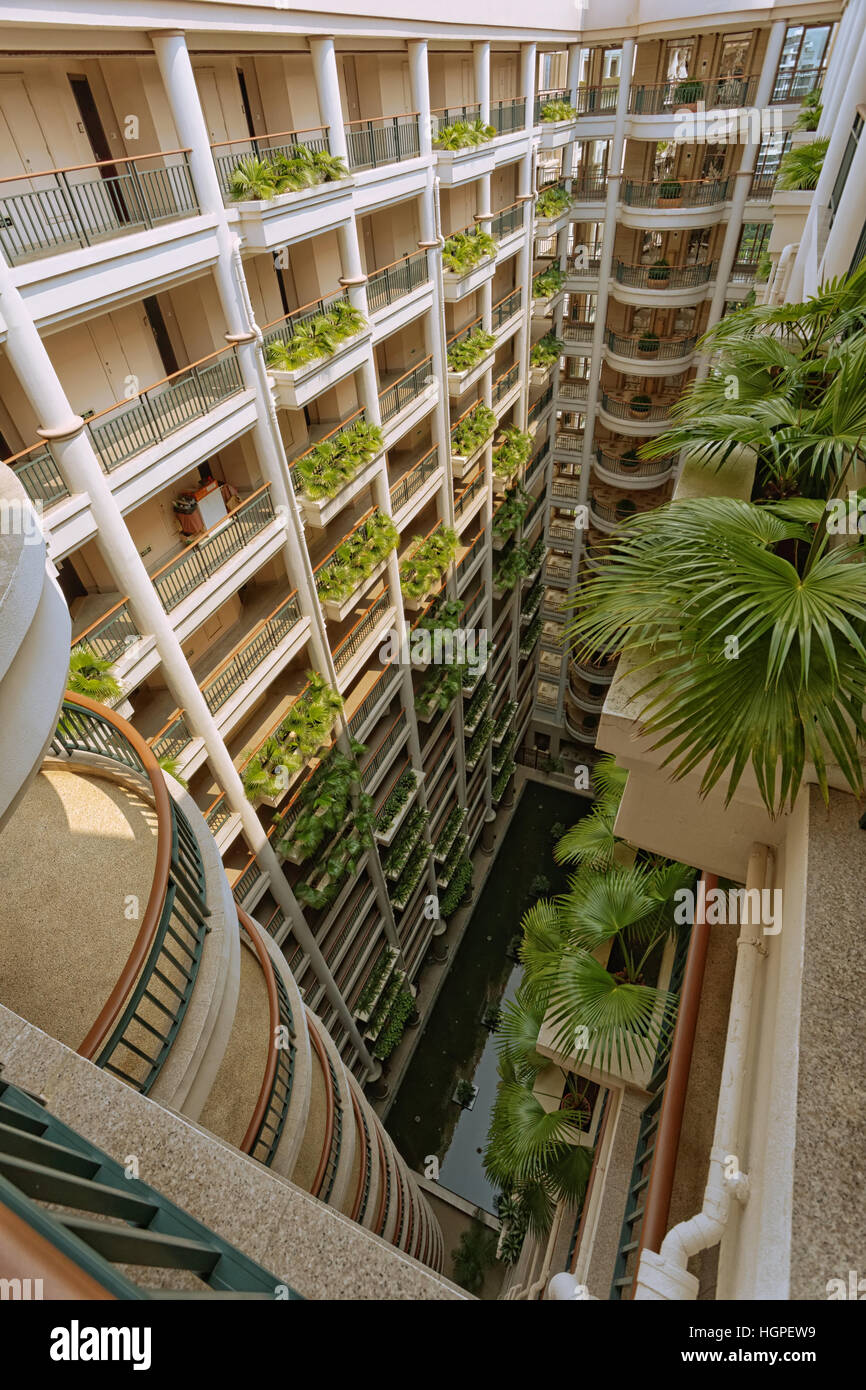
(624, 1022)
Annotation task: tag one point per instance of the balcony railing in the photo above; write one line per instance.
(589, 189)
(218, 814)
(150, 998)
(508, 116)
(409, 484)
(568, 442)
(212, 549)
(393, 736)
(573, 390)
(554, 94)
(283, 330)
(227, 154)
(595, 101)
(793, 86)
(504, 383)
(405, 389)
(37, 472)
(464, 499)
(383, 140)
(51, 211)
(109, 637)
(507, 307)
(692, 193)
(355, 639)
(674, 277)
(762, 186)
(537, 464)
(241, 666)
(743, 273)
(565, 489)
(396, 280)
(470, 557)
(384, 689)
(125, 429)
(581, 333)
(669, 97)
(639, 468)
(624, 410)
(506, 221)
(442, 116)
(272, 1106)
(538, 406)
(665, 349)
(326, 1173)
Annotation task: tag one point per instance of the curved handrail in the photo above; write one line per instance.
(280, 1015)
(330, 1102)
(365, 1166)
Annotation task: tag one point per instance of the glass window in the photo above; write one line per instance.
(754, 239)
(678, 57)
(845, 166)
(612, 62)
(735, 53)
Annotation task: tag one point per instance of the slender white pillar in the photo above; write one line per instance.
(481, 59)
(328, 91)
(419, 81)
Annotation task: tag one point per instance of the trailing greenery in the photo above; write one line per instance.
(548, 283)
(408, 880)
(443, 613)
(810, 112)
(90, 675)
(439, 689)
(375, 980)
(451, 899)
(356, 557)
(302, 735)
(260, 180)
(546, 351)
(475, 1254)
(427, 562)
(405, 786)
(477, 705)
(553, 201)
(558, 111)
(503, 753)
(319, 338)
(479, 741)
(448, 833)
(395, 1027)
(170, 766)
(533, 600)
(464, 250)
(469, 351)
(530, 637)
(504, 718)
(330, 464)
(461, 135)
(473, 430)
(330, 799)
(511, 452)
(511, 512)
(510, 565)
(385, 1005)
(500, 782)
(800, 167)
(395, 860)
(536, 555)
(688, 90)
(449, 867)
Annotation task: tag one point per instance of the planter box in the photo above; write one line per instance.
(318, 513)
(339, 610)
(549, 226)
(470, 1104)
(275, 801)
(458, 382)
(456, 287)
(297, 388)
(461, 464)
(289, 217)
(415, 605)
(462, 166)
(385, 837)
(539, 375)
(364, 1015)
(555, 134)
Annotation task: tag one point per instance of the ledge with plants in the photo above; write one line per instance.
(256, 180)
(385, 1005)
(316, 340)
(448, 833)
(800, 168)
(438, 691)
(503, 720)
(423, 569)
(443, 615)
(411, 876)
(395, 861)
(509, 514)
(478, 742)
(551, 204)
(512, 451)
(481, 697)
(545, 354)
(467, 354)
(469, 437)
(396, 805)
(529, 638)
(302, 736)
(532, 604)
(324, 803)
(500, 782)
(460, 882)
(809, 115)
(375, 983)
(463, 135)
(91, 675)
(502, 755)
(329, 466)
(472, 673)
(553, 112)
(548, 284)
(511, 564)
(465, 252)
(450, 866)
(395, 1026)
(355, 563)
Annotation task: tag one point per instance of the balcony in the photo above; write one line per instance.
(276, 218)
(568, 442)
(678, 202)
(362, 640)
(761, 188)
(469, 561)
(623, 471)
(508, 116)
(793, 86)
(674, 97)
(588, 194)
(368, 700)
(565, 490)
(398, 293)
(572, 392)
(507, 228)
(97, 232)
(554, 134)
(414, 489)
(382, 155)
(582, 271)
(318, 512)
(506, 390)
(638, 415)
(652, 353)
(297, 387)
(378, 762)
(404, 402)
(459, 382)
(576, 334)
(114, 637)
(337, 610)
(456, 285)
(675, 285)
(469, 501)
(464, 165)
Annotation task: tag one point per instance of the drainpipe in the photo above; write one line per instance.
(665, 1276)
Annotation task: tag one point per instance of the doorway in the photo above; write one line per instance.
(95, 132)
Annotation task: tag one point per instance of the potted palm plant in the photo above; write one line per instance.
(639, 405)
(648, 343)
(659, 271)
(670, 193)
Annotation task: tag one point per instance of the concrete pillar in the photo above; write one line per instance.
(328, 92)
(481, 59)
(419, 82)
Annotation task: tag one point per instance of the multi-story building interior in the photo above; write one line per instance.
(291, 380)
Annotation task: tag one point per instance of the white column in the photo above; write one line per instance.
(481, 58)
(328, 92)
(419, 82)
(528, 64)
(83, 473)
(841, 64)
(572, 81)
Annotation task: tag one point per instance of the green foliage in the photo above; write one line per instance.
(396, 858)
(511, 512)
(558, 111)
(329, 800)
(800, 167)
(464, 250)
(406, 784)
(546, 352)
(317, 339)
(512, 451)
(427, 562)
(395, 1027)
(408, 880)
(500, 781)
(530, 637)
(461, 135)
(452, 897)
(473, 430)
(170, 766)
(301, 736)
(375, 980)
(548, 283)
(440, 688)
(810, 112)
(255, 179)
(553, 201)
(90, 675)
(449, 832)
(469, 351)
(332, 463)
(356, 557)
(479, 741)
(510, 565)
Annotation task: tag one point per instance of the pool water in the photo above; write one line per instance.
(424, 1121)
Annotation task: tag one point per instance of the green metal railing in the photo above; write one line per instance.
(384, 140)
(507, 307)
(395, 735)
(409, 484)
(624, 410)
(352, 643)
(243, 665)
(650, 349)
(125, 429)
(504, 383)
(687, 193)
(159, 998)
(182, 576)
(394, 281)
(508, 116)
(227, 154)
(111, 634)
(589, 189)
(406, 389)
(384, 689)
(466, 497)
(449, 115)
(509, 220)
(43, 213)
(37, 471)
(553, 94)
(218, 814)
(283, 330)
(105, 1224)
(538, 406)
(262, 1138)
(655, 277)
(580, 333)
(658, 98)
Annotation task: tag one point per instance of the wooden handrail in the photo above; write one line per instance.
(336, 430)
(293, 314)
(268, 135)
(146, 935)
(364, 1165)
(344, 640)
(437, 110)
(383, 1183)
(98, 623)
(93, 164)
(368, 120)
(356, 527)
(684, 81)
(267, 1086)
(408, 372)
(130, 400)
(664, 1160)
(24, 1250)
(31, 449)
(204, 535)
(319, 1048)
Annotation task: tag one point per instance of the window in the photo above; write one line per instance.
(612, 63)
(771, 150)
(801, 62)
(734, 56)
(678, 57)
(845, 166)
(754, 240)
